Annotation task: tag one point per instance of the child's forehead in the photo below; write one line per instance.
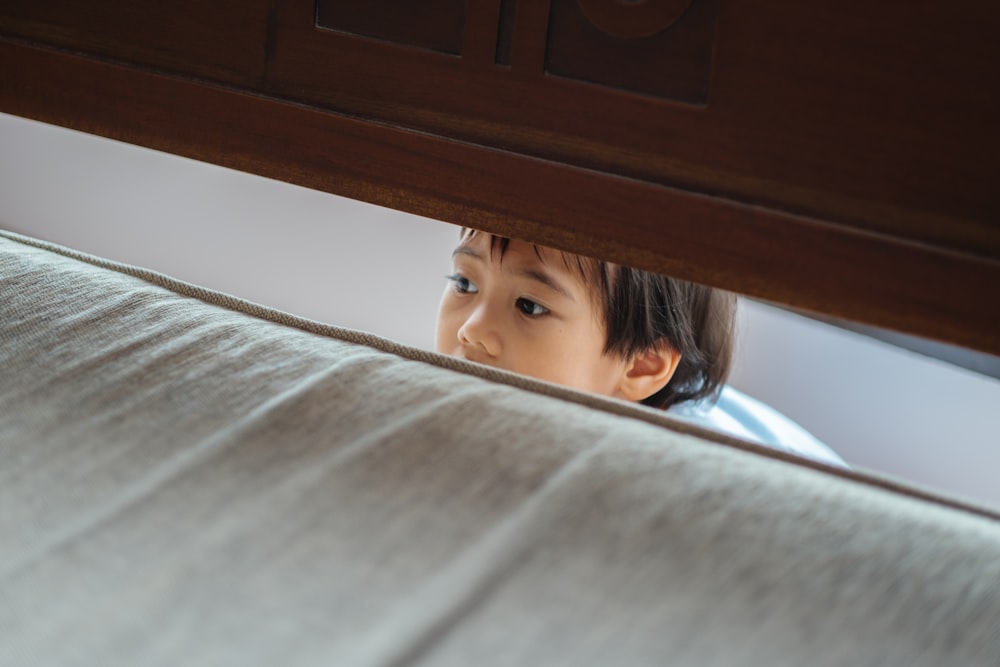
(498, 249)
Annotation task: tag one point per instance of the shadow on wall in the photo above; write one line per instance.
(356, 265)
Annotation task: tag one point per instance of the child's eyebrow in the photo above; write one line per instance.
(545, 279)
(531, 274)
(466, 250)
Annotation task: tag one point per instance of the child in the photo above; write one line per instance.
(599, 327)
(584, 323)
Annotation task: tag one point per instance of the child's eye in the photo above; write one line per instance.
(530, 308)
(462, 284)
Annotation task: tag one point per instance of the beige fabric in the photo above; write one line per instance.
(182, 482)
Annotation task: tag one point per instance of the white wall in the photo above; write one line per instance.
(260, 239)
(382, 271)
(880, 406)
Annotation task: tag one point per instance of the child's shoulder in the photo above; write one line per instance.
(743, 416)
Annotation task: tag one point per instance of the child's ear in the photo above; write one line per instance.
(649, 372)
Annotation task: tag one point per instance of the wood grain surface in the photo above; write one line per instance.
(841, 158)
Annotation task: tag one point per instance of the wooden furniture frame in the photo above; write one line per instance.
(839, 157)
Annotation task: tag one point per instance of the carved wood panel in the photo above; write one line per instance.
(661, 48)
(842, 157)
(850, 113)
(435, 25)
(219, 40)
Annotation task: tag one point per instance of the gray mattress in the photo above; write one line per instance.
(189, 479)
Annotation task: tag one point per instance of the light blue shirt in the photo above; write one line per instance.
(744, 417)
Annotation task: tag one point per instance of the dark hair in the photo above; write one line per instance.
(643, 310)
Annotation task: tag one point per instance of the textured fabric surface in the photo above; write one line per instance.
(189, 479)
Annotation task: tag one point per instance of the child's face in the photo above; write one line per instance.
(527, 314)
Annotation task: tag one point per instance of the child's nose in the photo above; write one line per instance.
(479, 331)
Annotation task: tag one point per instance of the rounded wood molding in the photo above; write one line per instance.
(633, 19)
